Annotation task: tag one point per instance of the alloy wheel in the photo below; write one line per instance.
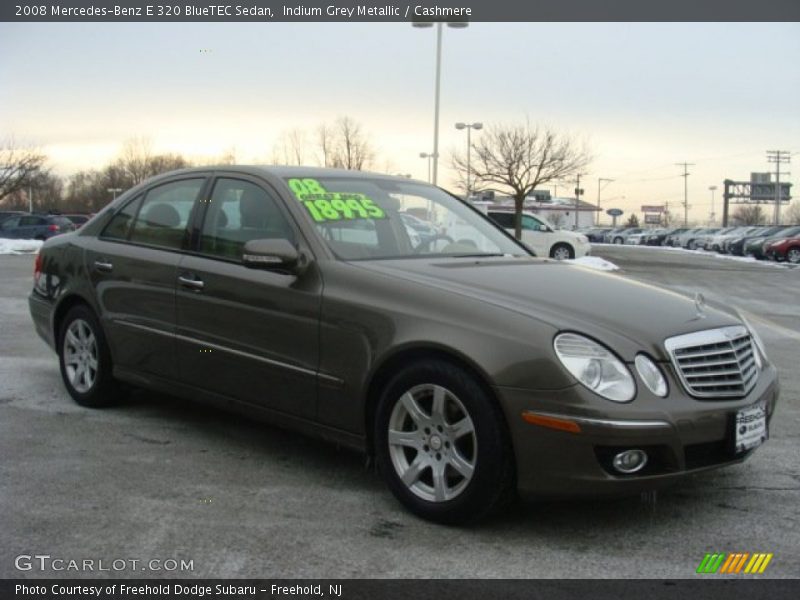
(432, 443)
(80, 356)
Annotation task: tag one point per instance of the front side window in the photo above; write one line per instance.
(164, 216)
(241, 211)
(532, 224)
(361, 218)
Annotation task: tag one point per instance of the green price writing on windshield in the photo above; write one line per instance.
(323, 205)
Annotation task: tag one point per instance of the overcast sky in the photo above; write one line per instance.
(644, 96)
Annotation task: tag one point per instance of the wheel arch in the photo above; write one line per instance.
(385, 369)
(64, 306)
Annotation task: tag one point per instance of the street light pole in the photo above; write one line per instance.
(438, 85)
(114, 191)
(429, 156)
(469, 127)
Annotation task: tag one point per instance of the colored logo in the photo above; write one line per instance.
(737, 562)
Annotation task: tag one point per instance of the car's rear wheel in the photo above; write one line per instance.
(793, 255)
(441, 443)
(85, 359)
(618, 240)
(562, 252)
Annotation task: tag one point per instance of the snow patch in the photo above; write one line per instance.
(594, 262)
(19, 246)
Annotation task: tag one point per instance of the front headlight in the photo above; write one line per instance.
(595, 367)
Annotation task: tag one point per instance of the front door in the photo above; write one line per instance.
(247, 334)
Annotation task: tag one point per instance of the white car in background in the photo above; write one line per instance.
(542, 236)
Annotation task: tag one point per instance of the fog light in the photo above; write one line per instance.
(630, 461)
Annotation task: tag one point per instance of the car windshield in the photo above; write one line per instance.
(362, 218)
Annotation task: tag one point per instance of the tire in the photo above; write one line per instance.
(617, 240)
(85, 360)
(562, 251)
(692, 245)
(793, 255)
(448, 458)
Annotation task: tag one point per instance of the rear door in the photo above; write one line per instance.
(248, 334)
(133, 267)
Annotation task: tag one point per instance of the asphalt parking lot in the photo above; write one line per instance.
(160, 478)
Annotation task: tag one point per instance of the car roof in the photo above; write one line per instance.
(292, 171)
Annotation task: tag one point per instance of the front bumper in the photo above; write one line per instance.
(681, 435)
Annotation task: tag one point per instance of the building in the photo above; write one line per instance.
(558, 211)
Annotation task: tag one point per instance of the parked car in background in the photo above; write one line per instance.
(619, 236)
(596, 234)
(648, 237)
(673, 239)
(658, 237)
(608, 238)
(466, 367)
(10, 213)
(737, 245)
(784, 248)
(78, 219)
(34, 226)
(716, 243)
(688, 239)
(705, 241)
(543, 237)
(755, 246)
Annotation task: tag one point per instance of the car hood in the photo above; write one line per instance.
(619, 311)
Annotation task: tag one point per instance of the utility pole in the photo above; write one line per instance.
(600, 180)
(578, 192)
(778, 157)
(713, 215)
(685, 176)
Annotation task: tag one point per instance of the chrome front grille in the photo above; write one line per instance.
(716, 363)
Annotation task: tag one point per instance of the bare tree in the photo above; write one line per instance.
(351, 148)
(135, 158)
(325, 143)
(516, 159)
(750, 214)
(18, 167)
(792, 214)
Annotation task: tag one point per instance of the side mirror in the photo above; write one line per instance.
(270, 254)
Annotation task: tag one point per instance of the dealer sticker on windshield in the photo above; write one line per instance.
(323, 205)
(751, 427)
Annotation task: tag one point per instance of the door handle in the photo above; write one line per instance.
(105, 267)
(191, 283)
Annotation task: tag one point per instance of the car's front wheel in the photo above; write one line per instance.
(793, 255)
(85, 359)
(441, 443)
(562, 252)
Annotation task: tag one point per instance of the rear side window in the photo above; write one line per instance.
(505, 220)
(120, 226)
(165, 213)
(10, 223)
(29, 221)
